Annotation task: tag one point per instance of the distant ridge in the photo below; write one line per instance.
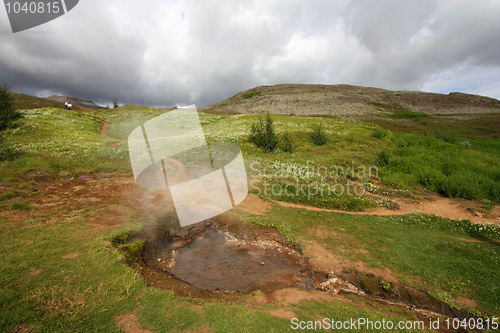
(349, 102)
(75, 101)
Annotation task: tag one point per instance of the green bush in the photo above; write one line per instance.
(263, 134)
(318, 136)
(8, 114)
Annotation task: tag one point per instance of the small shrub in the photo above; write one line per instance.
(8, 114)
(263, 134)
(286, 144)
(379, 133)
(318, 136)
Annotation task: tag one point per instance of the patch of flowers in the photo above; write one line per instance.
(437, 222)
(387, 203)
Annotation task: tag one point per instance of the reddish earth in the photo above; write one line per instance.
(129, 323)
(104, 127)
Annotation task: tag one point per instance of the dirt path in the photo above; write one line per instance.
(104, 127)
(443, 207)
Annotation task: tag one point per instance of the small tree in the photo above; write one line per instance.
(8, 117)
(115, 102)
(318, 136)
(8, 114)
(263, 134)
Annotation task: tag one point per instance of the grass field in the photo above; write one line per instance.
(60, 273)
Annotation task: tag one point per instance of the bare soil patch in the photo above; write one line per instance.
(282, 313)
(129, 323)
(254, 204)
(290, 296)
(25, 328)
(466, 302)
(327, 261)
(71, 255)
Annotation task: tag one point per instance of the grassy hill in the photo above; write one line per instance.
(25, 102)
(69, 195)
(76, 101)
(408, 111)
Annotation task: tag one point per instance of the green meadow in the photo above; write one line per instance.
(449, 259)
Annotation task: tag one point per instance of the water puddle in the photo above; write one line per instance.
(217, 262)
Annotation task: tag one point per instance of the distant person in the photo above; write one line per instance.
(69, 106)
(66, 104)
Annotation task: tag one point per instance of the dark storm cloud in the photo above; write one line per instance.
(182, 52)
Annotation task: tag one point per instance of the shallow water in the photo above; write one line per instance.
(214, 263)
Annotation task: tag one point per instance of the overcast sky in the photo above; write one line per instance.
(166, 53)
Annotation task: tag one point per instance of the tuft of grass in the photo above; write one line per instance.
(132, 250)
(379, 133)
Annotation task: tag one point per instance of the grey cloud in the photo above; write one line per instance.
(182, 52)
